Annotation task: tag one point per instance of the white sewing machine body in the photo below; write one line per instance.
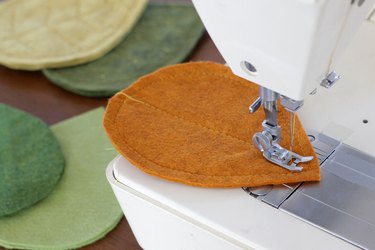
(292, 44)
(166, 215)
(336, 213)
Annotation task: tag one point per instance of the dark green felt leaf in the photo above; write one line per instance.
(164, 35)
(31, 161)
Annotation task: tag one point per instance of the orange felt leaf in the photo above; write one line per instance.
(190, 123)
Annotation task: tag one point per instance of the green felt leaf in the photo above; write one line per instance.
(82, 208)
(31, 161)
(165, 35)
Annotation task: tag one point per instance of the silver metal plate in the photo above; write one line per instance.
(343, 202)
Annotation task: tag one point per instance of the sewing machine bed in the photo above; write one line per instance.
(340, 205)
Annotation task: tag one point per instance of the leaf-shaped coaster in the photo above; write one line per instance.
(165, 35)
(37, 34)
(31, 160)
(190, 123)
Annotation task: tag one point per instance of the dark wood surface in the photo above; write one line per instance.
(32, 92)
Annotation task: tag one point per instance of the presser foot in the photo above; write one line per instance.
(278, 155)
(285, 158)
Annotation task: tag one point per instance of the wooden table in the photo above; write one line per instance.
(32, 92)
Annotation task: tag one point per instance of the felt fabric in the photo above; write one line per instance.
(31, 160)
(189, 123)
(38, 34)
(165, 35)
(82, 208)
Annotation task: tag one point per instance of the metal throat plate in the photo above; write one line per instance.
(342, 203)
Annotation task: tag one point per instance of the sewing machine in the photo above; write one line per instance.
(291, 49)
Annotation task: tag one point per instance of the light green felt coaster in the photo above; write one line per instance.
(82, 208)
(165, 35)
(31, 160)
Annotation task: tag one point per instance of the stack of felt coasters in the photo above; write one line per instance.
(189, 123)
(53, 191)
(37, 34)
(82, 207)
(96, 48)
(164, 35)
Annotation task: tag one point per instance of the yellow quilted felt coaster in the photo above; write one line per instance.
(38, 34)
(189, 123)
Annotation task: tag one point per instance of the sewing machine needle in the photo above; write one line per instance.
(292, 125)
